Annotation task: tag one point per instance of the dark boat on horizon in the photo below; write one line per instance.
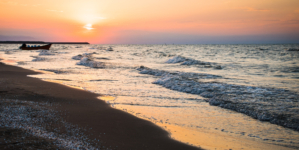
(45, 47)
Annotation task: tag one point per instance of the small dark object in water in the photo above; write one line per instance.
(293, 49)
(110, 49)
(46, 47)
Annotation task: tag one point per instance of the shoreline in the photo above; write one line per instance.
(44, 93)
(114, 128)
(201, 139)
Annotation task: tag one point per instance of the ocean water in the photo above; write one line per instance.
(225, 92)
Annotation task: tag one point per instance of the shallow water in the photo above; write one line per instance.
(160, 93)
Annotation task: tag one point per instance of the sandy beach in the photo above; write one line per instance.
(149, 74)
(104, 127)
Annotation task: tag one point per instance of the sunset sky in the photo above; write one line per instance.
(151, 21)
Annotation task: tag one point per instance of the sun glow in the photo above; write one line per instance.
(88, 26)
(136, 21)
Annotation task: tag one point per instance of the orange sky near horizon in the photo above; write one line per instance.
(130, 21)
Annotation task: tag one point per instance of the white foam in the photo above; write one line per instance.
(176, 59)
(39, 59)
(86, 61)
(45, 52)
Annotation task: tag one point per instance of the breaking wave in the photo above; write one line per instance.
(87, 60)
(45, 52)
(277, 106)
(189, 61)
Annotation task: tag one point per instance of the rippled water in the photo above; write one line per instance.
(171, 85)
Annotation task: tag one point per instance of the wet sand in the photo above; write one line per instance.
(115, 129)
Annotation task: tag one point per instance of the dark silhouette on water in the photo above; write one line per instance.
(46, 47)
(24, 47)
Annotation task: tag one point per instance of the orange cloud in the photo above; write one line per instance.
(54, 10)
(254, 9)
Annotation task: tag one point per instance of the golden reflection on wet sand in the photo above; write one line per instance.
(208, 138)
(62, 82)
(9, 61)
(106, 98)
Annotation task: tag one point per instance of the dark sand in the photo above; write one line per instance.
(14, 141)
(115, 129)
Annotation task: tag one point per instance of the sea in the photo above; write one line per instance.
(212, 96)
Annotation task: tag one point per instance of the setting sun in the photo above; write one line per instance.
(88, 27)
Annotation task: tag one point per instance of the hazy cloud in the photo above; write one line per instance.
(253, 9)
(36, 5)
(9, 2)
(17, 3)
(101, 18)
(138, 37)
(292, 21)
(53, 10)
(16, 38)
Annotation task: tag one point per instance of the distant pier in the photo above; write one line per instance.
(40, 42)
